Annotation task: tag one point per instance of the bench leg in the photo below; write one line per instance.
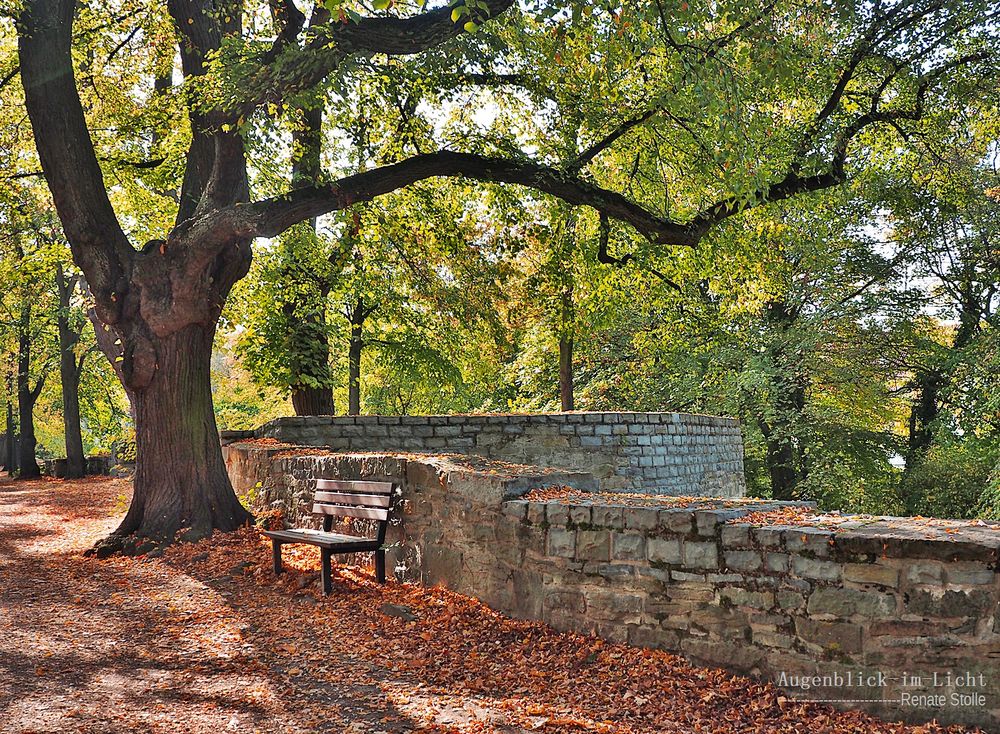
(276, 556)
(380, 566)
(326, 571)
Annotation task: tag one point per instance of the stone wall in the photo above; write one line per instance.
(892, 598)
(661, 453)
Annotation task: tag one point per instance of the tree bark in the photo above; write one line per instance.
(358, 316)
(312, 400)
(181, 483)
(781, 469)
(69, 373)
(26, 398)
(11, 456)
(566, 397)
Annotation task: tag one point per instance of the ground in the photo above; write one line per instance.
(207, 639)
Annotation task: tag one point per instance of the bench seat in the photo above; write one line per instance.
(341, 499)
(343, 543)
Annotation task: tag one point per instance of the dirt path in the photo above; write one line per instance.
(206, 639)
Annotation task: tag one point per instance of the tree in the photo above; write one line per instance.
(163, 299)
(27, 252)
(70, 323)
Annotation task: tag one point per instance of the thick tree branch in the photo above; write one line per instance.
(66, 151)
(270, 217)
(405, 36)
(330, 43)
(215, 175)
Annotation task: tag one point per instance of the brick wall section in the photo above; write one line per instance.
(890, 597)
(660, 453)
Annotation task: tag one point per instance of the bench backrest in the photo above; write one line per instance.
(363, 500)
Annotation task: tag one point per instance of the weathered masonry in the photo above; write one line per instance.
(898, 616)
(661, 453)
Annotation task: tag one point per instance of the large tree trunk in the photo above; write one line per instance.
(358, 316)
(181, 482)
(26, 397)
(69, 373)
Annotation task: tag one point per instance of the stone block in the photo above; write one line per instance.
(564, 601)
(677, 521)
(561, 542)
(735, 535)
(700, 554)
(618, 573)
(663, 550)
(849, 602)
(656, 638)
(924, 572)
(536, 513)
(872, 573)
(579, 514)
(810, 541)
(768, 638)
(676, 575)
(725, 578)
(841, 636)
(557, 513)
(607, 516)
(812, 568)
(740, 560)
(614, 606)
(776, 562)
(626, 546)
(970, 574)
(738, 597)
(767, 537)
(787, 599)
(640, 518)
(593, 545)
(707, 521)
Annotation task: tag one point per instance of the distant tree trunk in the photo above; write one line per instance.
(781, 468)
(27, 395)
(566, 397)
(567, 322)
(784, 457)
(11, 457)
(930, 384)
(923, 414)
(70, 367)
(358, 316)
(307, 141)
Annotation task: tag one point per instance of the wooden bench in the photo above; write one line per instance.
(334, 498)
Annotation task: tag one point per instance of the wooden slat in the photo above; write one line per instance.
(333, 541)
(370, 513)
(338, 485)
(339, 498)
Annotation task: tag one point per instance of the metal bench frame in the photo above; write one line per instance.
(336, 499)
